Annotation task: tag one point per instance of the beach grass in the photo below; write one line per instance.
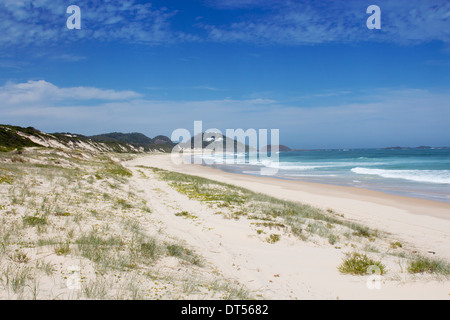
(302, 220)
(422, 264)
(359, 264)
(78, 208)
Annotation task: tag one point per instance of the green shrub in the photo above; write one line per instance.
(178, 251)
(332, 239)
(124, 204)
(395, 245)
(358, 264)
(186, 215)
(426, 265)
(273, 238)
(118, 170)
(149, 249)
(5, 179)
(34, 221)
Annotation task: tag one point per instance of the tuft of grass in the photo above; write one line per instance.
(395, 245)
(59, 213)
(149, 249)
(6, 179)
(19, 257)
(362, 231)
(116, 169)
(236, 293)
(100, 250)
(186, 214)
(332, 239)
(270, 225)
(34, 221)
(93, 290)
(15, 278)
(358, 264)
(273, 238)
(203, 189)
(46, 267)
(124, 204)
(178, 251)
(63, 249)
(427, 265)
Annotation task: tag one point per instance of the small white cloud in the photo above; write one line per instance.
(209, 88)
(68, 58)
(34, 92)
(409, 115)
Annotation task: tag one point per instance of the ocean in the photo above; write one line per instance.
(420, 173)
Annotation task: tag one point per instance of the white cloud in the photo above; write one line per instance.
(311, 22)
(41, 91)
(44, 21)
(208, 88)
(387, 117)
(304, 22)
(239, 4)
(68, 57)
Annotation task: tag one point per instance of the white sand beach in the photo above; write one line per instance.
(128, 226)
(291, 268)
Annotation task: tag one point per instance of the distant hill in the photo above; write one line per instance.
(219, 140)
(162, 140)
(412, 148)
(14, 137)
(134, 138)
(281, 147)
(216, 141)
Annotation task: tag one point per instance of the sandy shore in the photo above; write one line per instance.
(292, 269)
(111, 226)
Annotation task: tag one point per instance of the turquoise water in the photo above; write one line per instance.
(421, 173)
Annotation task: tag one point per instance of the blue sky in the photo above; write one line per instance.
(309, 68)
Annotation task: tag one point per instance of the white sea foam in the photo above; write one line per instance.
(310, 175)
(242, 159)
(430, 176)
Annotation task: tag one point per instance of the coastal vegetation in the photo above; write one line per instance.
(310, 224)
(70, 217)
(16, 138)
(358, 264)
(427, 265)
(302, 220)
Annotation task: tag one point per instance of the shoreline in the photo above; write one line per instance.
(391, 177)
(442, 208)
(424, 223)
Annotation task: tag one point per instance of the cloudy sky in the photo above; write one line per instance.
(309, 68)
